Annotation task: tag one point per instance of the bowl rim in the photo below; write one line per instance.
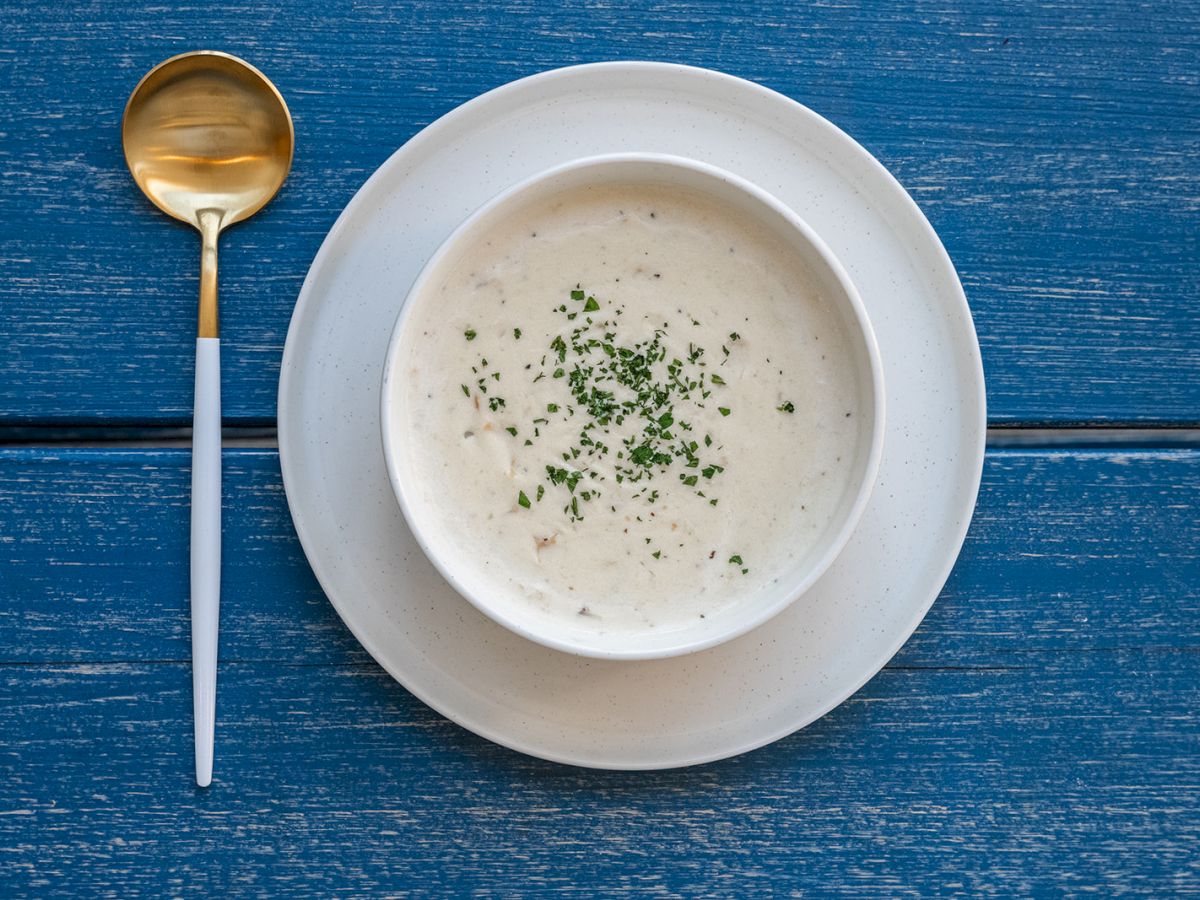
(866, 482)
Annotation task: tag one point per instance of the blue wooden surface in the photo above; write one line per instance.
(1070, 551)
(1053, 146)
(1037, 736)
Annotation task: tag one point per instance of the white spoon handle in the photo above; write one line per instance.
(206, 548)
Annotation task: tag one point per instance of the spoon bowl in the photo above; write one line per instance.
(207, 130)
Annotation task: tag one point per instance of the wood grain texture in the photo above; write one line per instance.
(1055, 779)
(1055, 147)
(1069, 551)
(1037, 736)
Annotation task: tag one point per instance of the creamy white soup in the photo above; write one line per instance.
(629, 407)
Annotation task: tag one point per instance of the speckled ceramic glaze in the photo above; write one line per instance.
(631, 714)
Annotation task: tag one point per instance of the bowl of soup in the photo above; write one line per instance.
(632, 407)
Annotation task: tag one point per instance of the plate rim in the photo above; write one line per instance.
(946, 273)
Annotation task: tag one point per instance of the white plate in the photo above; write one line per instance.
(660, 713)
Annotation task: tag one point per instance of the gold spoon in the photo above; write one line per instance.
(209, 140)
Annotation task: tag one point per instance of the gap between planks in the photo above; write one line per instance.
(95, 667)
(265, 438)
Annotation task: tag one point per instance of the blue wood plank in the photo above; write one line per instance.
(1065, 776)
(1038, 735)
(95, 542)
(1069, 551)
(1053, 146)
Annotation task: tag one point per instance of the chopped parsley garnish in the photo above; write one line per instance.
(634, 403)
(787, 407)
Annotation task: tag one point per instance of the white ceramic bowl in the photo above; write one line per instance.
(834, 285)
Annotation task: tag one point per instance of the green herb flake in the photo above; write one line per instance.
(787, 407)
(657, 554)
(627, 395)
(735, 560)
(469, 334)
(723, 410)
(466, 390)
